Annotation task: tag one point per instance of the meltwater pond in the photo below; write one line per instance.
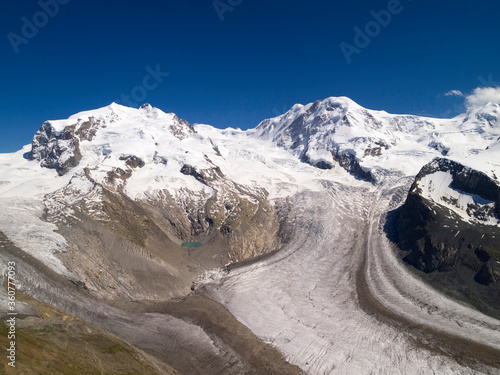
(192, 244)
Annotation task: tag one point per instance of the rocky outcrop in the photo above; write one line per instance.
(56, 150)
(133, 161)
(460, 255)
(322, 164)
(181, 128)
(351, 164)
(243, 219)
(60, 150)
(118, 174)
(189, 170)
(257, 234)
(465, 179)
(345, 160)
(86, 130)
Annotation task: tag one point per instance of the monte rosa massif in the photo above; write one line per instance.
(332, 239)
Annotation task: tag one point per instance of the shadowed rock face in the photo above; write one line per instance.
(465, 179)
(351, 164)
(189, 170)
(346, 160)
(459, 255)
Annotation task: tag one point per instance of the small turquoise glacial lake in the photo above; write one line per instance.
(192, 244)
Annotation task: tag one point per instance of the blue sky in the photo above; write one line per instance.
(250, 60)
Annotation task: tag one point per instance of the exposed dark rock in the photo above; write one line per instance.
(321, 164)
(118, 173)
(439, 147)
(88, 129)
(347, 161)
(465, 179)
(132, 161)
(351, 164)
(482, 255)
(215, 147)
(460, 256)
(181, 128)
(160, 159)
(373, 151)
(188, 170)
(485, 275)
(59, 151)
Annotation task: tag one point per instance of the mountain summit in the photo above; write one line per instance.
(329, 132)
(339, 131)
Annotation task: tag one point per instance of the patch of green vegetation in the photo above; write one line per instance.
(56, 343)
(49, 351)
(116, 348)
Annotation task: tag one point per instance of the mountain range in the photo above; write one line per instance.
(106, 207)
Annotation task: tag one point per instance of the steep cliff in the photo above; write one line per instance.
(449, 228)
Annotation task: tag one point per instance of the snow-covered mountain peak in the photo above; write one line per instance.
(114, 129)
(338, 131)
(146, 106)
(116, 114)
(327, 133)
(317, 114)
(483, 117)
(152, 112)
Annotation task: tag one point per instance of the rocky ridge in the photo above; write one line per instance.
(451, 232)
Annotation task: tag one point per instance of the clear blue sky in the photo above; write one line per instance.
(256, 63)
